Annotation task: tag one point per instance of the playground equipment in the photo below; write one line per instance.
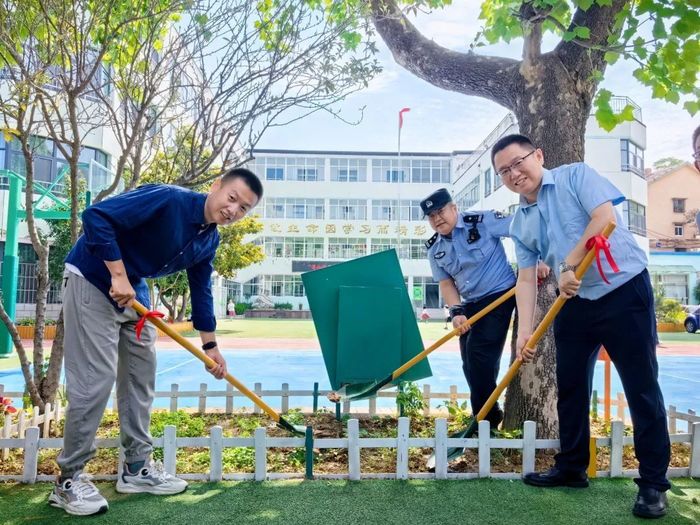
(97, 176)
(199, 354)
(455, 452)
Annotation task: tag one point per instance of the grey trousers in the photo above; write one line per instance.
(101, 347)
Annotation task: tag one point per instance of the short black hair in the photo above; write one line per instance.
(506, 141)
(696, 134)
(250, 178)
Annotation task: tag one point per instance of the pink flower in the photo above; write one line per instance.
(6, 406)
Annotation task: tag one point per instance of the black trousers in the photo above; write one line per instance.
(481, 349)
(623, 321)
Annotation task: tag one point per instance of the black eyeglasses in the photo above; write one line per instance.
(505, 172)
(696, 155)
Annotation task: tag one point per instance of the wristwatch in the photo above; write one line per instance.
(209, 345)
(563, 267)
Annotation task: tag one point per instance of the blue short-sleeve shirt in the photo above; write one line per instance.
(550, 228)
(479, 268)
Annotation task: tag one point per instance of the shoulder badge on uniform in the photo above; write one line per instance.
(499, 215)
(439, 255)
(431, 241)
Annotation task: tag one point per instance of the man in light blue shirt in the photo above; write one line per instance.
(468, 260)
(560, 210)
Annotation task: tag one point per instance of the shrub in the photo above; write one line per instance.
(242, 307)
(27, 321)
(283, 306)
(409, 399)
(670, 311)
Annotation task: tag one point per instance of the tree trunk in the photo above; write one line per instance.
(532, 393)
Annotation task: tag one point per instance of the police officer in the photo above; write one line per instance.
(467, 258)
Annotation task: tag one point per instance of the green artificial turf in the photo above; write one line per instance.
(423, 502)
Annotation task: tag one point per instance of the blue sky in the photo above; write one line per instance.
(445, 121)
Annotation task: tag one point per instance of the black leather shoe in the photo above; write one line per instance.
(651, 503)
(556, 478)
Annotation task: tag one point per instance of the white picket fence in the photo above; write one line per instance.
(260, 442)
(26, 419)
(284, 394)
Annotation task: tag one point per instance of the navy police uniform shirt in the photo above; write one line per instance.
(480, 267)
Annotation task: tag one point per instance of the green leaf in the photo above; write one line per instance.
(582, 32)
(692, 107)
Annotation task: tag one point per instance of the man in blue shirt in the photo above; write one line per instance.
(560, 210)
(468, 260)
(152, 231)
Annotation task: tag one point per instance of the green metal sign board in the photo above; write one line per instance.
(364, 320)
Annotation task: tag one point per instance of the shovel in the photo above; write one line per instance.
(365, 390)
(199, 354)
(455, 452)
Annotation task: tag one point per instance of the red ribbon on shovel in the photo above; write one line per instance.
(601, 243)
(142, 321)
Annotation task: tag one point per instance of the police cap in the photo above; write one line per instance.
(435, 201)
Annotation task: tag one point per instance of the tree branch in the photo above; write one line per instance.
(493, 78)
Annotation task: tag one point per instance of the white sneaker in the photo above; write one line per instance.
(78, 496)
(152, 479)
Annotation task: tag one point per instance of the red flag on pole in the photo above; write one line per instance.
(404, 110)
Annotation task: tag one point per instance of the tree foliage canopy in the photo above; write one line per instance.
(659, 36)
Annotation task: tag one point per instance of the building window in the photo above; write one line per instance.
(389, 170)
(678, 230)
(348, 170)
(346, 248)
(380, 245)
(469, 196)
(348, 209)
(678, 205)
(383, 210)
(632, 157)
(636, 215)
(274, 173)
(497, 182)
(431, 291)
(487, 182)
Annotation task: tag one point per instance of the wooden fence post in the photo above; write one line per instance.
(453, 394)
(216, 456)
(170, 449)
(285, 398)
(258, 392)
(402, 448)
(6, 434)
(672, 419)
(260, 453)
(315, 395)
(202, 408)
(616, 434)
(691, 413)
(47, 420)
(621, 406)
(426, 400)
(229, 398)
(484, 448)
(31, 455)
(354, 449)
(441, 448)
(529, 446)
(173, 397)
(695, 452)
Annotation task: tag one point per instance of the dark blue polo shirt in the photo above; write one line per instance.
(155, 230)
